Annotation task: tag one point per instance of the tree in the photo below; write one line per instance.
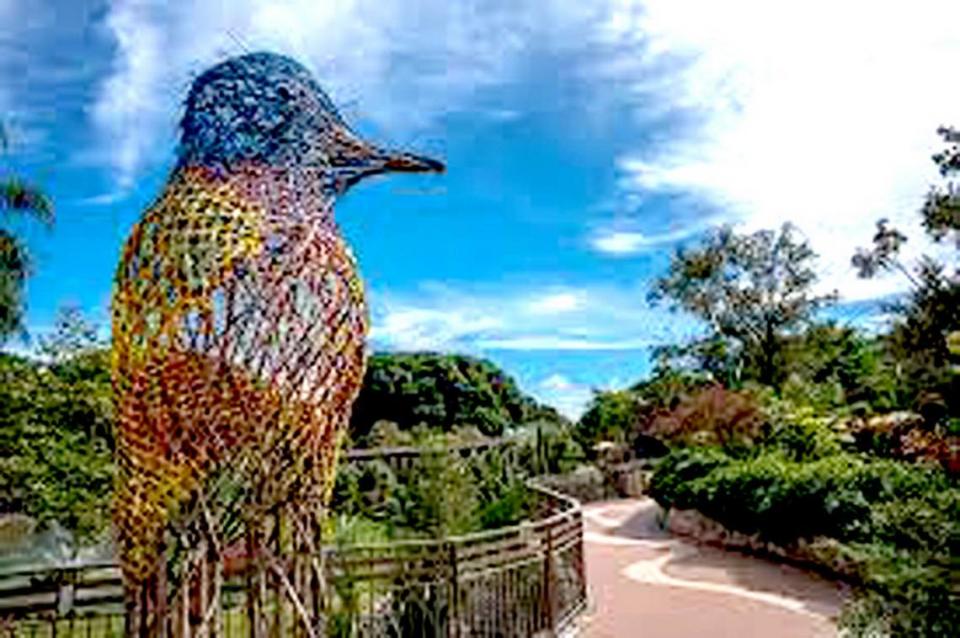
(443, 392)
(17, 197)
(56, 463)
(710, 416)
(80, 359)
(840, 365)
(884, 255)
(611, 416)
(941, 210)
(72, 336)
(751, 290)
(929, 317)
(941, 218)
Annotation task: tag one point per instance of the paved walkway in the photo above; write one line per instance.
(646, 584)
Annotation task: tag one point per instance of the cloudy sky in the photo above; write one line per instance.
(584, 140)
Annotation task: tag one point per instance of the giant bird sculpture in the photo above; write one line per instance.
(238, 324)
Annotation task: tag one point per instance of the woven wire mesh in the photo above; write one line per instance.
(238, 330)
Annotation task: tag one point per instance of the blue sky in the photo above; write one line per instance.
(584, 141)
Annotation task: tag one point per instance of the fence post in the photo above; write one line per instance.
(581, 568)
(454, 603)
(548, 578)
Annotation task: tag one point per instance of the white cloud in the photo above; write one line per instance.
(569, 398)
(557, 383)
(549, 342)
(102, 199)
(394, 64)
(602, 319)
(623, 242)
(619, 243)
(413, 328)
(821, 113)
(555, 303)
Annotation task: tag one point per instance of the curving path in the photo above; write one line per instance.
(645, 583)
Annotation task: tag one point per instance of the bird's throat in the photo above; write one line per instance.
(292, 194)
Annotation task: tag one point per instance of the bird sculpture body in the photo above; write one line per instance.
(239, 319)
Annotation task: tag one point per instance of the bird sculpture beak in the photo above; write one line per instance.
(355, 159)
(409, 163)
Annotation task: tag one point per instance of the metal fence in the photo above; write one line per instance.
(524, 580)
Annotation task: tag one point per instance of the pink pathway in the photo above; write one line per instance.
(646, 584)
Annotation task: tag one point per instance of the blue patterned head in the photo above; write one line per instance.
(267, 109)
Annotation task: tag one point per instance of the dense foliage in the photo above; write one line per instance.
(897, 526)
(611, 416)
(443, 392)
(785, 499)
(56, 419)
(55, 457)
(445, 492)
(712, 415)
(441, 494)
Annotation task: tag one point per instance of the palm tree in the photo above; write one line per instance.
(17, 197)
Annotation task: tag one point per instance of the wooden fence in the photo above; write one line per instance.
(404, 457)
(524, 580)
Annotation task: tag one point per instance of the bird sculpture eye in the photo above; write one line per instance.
(284, 93)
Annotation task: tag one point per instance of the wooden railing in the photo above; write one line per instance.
(403, 457)
(523, 580)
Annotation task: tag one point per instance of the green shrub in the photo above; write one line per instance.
(929, 523)
(346, 529)
(369, 490)
(785, 500)
(898, 524)
(823, 396)
(903, 593)
(675, 472)
(388, 434)
(546, 448)
(440, 494)
(585, 483)
(805, 439)
(512, 505)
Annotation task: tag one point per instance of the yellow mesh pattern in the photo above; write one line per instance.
(238, 326)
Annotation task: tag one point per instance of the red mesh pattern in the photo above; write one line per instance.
(239, 327)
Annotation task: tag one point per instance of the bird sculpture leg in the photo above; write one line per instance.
(298, 484)
(175, 496)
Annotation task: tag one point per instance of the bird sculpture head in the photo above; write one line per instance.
(266, 109)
